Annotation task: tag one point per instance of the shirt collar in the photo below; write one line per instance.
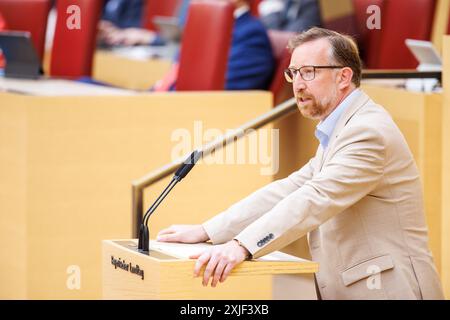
(240, 11)
(325, 128)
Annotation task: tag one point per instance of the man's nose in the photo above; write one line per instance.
(298, 83)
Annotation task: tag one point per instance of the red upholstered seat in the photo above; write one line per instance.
(27, 15)
(360, 11)
(2, 27)
(73, 49)
(254, 7)
(400, 19)
(279, 87)
(2, 22)
(205, 46)
(343, 24)
(152, 8)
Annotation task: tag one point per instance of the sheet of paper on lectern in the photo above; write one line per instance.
(183, 250)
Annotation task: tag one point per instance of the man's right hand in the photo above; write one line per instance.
(185, 233)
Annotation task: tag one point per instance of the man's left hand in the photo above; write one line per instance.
(219, 260)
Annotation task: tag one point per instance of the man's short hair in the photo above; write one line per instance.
(344, 48)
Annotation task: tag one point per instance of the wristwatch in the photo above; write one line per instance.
(249, 255)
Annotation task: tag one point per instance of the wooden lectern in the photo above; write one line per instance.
(166, 274)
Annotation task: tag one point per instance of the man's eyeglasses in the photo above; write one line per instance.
(307, 73)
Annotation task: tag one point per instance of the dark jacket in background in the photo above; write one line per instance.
(251, 62)
(123, 13)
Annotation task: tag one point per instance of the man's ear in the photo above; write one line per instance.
(345, 77)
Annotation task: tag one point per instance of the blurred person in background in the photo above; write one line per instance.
(250, 63)
(122, 20)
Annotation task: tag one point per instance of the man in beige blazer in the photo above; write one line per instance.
(359, 199)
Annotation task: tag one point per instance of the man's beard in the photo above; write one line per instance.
(314, 109)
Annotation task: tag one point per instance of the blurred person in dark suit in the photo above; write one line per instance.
(123, 13)
(250, 62)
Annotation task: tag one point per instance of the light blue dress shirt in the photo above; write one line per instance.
(325, 128)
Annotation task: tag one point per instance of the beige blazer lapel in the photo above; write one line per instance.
(362, 99)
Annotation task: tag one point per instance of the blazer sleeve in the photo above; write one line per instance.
(226, 225)
(353, 171)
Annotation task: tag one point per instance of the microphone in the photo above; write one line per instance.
(183, 170)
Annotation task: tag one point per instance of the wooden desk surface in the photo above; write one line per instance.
(129, 73)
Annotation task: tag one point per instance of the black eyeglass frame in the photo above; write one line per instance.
(288, 72)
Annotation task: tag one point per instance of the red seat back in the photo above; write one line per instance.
(338, 15)
(2, 27)
(28, 15)
(254, 7)
(400, 19)
(280, 88)
(152, 8)
(205, 45)
(73, 49)
(360, 10)
(366, 38)
(2, 22)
